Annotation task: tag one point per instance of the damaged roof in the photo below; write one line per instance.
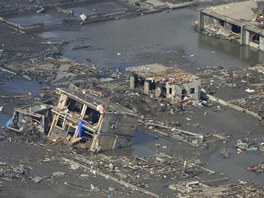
(92, 101)
(162, 74)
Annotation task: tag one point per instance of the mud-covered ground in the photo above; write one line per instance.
(31, 166)
(26, 149)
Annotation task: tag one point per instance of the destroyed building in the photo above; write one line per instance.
(79, 118)
(95, 122)
(241, 21)
(36, 117)
(170, 83)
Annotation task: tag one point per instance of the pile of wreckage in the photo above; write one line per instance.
(79, 118)
(138, 172)
(188, 189)
(78, 115)
(58, 70)
(246, 85)
(260, 18)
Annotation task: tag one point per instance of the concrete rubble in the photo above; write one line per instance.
(162, 166)
(160, 129)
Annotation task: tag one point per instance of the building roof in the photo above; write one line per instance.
(162, 74)
(239, 12)
(92, 101)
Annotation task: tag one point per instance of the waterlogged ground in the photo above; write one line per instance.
(165, 37)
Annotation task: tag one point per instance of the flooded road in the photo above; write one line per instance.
(121, 42)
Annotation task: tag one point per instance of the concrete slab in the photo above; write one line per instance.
(242, 11)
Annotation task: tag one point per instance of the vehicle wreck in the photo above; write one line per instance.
(79, 119)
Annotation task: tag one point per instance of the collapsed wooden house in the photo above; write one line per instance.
(171, 83)
(36, 117)
(80, 118)
(94, 122)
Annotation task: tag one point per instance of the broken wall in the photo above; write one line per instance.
(217, 25)
(186, 89)
(118, 124)
(111, 141)
(225, 30)
(210, 23)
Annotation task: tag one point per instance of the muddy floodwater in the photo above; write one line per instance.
(165, 37)
(120, 42)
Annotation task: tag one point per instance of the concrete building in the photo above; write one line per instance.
(170, 83)
(241, 21)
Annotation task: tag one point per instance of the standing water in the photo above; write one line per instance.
(120, 42)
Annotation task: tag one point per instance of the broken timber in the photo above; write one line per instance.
(80, 119)
(175, 129)
(126, 184)
(94, 123)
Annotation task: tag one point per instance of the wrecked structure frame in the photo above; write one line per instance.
(94, 123)
(171, 83)
(105, 125)
(240, 21)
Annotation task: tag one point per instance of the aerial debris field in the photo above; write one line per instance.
(161, 125)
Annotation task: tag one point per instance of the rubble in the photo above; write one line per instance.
(246, 145)
(259, 168)
(178, 126)
(94, 123)
(195, 189)
(13, 171)
(56, 70)
(237, 80)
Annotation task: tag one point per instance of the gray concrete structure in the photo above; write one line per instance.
(170, 83)
(241, 21)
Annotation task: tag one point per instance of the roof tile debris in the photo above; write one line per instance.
(162, 74)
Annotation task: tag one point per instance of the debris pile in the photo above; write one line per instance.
(60, 70)
(13, 171)
(246, 86)
(246, 145)
(260, 18)
(196, 189)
